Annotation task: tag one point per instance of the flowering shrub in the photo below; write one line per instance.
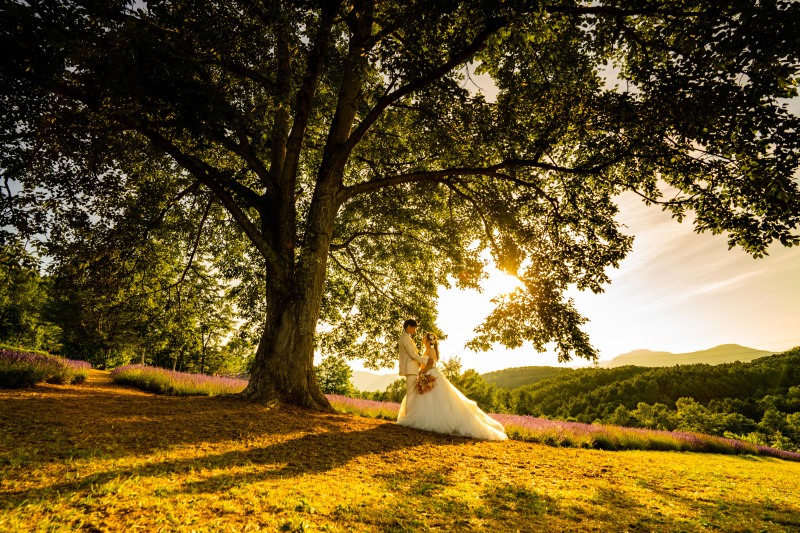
(369, 408)
(578, 435)
(163, 381)
(25, 369)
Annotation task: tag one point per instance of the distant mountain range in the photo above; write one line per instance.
(511, 378)
(724, 353)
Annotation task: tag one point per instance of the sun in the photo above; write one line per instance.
(499, 283)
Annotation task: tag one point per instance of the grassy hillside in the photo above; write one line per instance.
(511, 378)
(103, 457)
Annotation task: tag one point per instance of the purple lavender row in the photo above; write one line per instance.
(36, 358)
(577, 434)
(173, 382)
(25, 369)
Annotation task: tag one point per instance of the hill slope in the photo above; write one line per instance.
(102, 457)
(511, 378)
(589, 394)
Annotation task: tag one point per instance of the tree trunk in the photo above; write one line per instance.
(284, 365)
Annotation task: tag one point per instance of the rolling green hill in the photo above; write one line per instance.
(511, 378)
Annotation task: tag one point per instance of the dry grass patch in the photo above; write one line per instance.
(103, 457)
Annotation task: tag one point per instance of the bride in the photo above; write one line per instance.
(444, 409)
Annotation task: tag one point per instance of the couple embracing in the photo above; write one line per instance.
(432, 403)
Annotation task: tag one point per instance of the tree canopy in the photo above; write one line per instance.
(356, 168)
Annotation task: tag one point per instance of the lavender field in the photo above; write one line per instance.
(578, 435)
(163, 381)
(518, 427)
(19, 368)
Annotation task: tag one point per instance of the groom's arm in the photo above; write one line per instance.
(411, 350)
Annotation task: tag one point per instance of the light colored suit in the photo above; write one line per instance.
(409, 357)
(410, 362)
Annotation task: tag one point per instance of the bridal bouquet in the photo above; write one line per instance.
(425, 383)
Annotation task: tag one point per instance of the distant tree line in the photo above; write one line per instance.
(97, 304)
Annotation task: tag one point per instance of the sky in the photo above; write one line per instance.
(677, 291)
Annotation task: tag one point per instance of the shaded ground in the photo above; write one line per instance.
(102, 457)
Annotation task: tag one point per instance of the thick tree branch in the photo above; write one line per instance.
(280, 125)
(212, 179)
(336, 149)
(286, 201)
(246, 72)
(375, 113)
(206, 175)
(493, 170)
(302, 110)
(354, 236)
(245, 150)
(620, 12)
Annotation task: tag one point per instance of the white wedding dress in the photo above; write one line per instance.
(445, 410)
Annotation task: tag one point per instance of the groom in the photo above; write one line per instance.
(410, 360)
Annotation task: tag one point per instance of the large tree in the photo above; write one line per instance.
(350, 147)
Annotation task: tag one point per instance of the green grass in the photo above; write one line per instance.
(103, 457)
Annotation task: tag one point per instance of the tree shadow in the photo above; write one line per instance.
(112, 421)
(294, 457)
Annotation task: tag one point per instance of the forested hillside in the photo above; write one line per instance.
(759, 401)
(511, 378)
(589, 393)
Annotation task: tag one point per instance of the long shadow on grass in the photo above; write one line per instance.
(75, 422)
(309, 454)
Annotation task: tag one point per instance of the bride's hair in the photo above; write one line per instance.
(434, 342)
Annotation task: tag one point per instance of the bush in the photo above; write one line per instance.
(334, 375)
(21, 368)
(163, 381)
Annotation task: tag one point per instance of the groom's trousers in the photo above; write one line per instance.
(411, 381)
